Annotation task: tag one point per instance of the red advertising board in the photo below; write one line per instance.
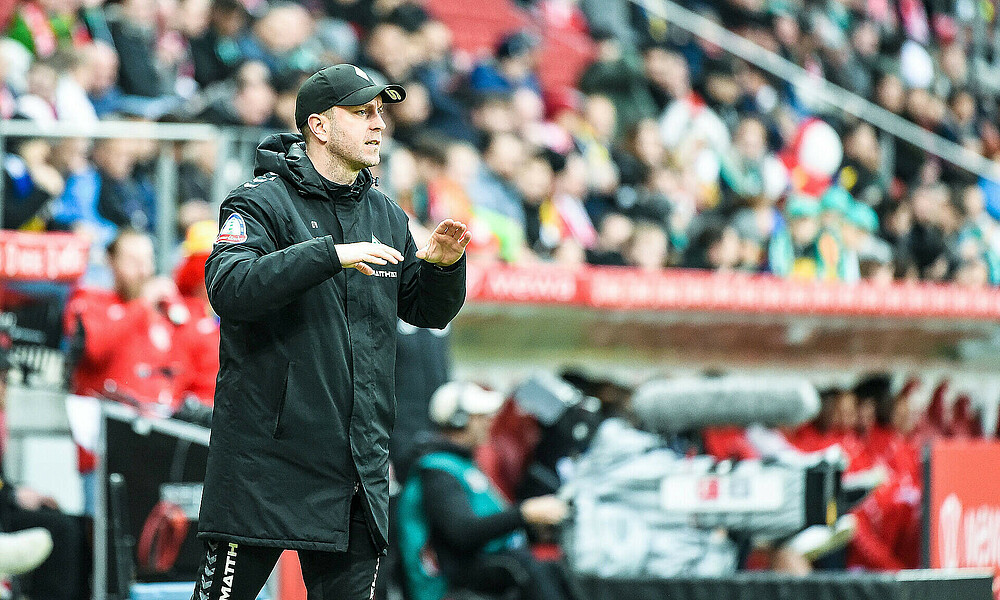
(42, 256)
(703, 291)
(965, 505)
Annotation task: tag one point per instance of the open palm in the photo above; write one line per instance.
(447, 243)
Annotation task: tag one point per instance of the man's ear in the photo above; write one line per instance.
(319, 126)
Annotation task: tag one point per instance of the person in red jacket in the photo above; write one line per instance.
(834, 425)
(888, 527)
(883, 424)
(128, 334)
(199, 337)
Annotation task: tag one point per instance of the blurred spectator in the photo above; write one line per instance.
(219, 50)
(128, 343)
(803, 250)
(196, 171)
(388, 52)
(515, 66)
(613, 235)
(104, 93)
(648, 247)
(835, 425)
(251, 104)
(748, 170)
(492, 188)
(925, 241)
(861, 171)
(618, 74)
(146, 68)
(856, 234)
(38, 103)
(883, 424)
(77, 80)
(125, 199)
(30, 182)
(77, 208)
(452, 513)
(534, 184)
(717, 248)
(565, 228)
(45, 26)
(410, 119)
(689, 128)
(283, 39)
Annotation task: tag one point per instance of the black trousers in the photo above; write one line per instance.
(238, 572)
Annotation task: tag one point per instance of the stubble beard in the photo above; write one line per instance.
(355, 159)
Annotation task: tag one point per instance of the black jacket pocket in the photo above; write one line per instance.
(282, 398)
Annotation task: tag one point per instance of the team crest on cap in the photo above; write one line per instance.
(362, 73)
(234, 230)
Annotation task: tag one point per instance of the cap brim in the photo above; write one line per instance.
(482, 402)
(391, 94)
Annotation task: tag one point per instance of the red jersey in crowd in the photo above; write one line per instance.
(129, 349)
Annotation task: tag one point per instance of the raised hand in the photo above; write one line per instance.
(359, 254)
(447, 243)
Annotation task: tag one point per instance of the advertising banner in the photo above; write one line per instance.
(964, 520)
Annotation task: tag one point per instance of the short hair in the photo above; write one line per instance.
(124, 232)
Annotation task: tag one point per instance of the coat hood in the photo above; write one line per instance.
(285, 154)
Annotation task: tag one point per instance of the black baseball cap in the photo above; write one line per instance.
(340, 85)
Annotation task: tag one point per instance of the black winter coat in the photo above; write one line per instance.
(304, 403)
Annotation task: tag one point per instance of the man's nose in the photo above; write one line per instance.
(379, 122)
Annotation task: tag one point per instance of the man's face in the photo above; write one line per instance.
(355, 136)
(132, 265)
(479, 428)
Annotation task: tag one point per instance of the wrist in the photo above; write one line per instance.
(451, 266)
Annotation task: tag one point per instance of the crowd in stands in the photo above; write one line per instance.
(667, 152)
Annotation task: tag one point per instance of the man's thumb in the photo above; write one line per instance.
(422, 252)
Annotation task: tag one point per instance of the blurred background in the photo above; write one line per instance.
(733, 273)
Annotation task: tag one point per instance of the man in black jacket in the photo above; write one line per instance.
(310, 270)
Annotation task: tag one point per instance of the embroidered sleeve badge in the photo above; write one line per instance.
(234, 230)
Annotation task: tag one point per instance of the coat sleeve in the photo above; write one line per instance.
(248, 276)
(429, 296)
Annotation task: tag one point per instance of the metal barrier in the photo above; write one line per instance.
(236, 148)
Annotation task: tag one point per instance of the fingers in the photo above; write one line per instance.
(379, 254)
(451, 228)
(365, 269)
(383, 253)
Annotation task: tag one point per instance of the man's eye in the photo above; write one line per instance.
(363, 112)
